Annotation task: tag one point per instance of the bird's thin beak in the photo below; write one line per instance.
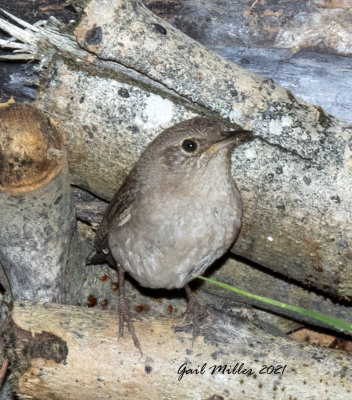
(235, 138)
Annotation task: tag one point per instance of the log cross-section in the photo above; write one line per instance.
(37, 219)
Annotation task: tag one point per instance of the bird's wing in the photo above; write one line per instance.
(118, 211)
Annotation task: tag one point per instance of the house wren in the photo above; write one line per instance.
(177, 211)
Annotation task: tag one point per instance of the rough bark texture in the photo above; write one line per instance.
(296, 188)
(37, 219)
(65, 352)
(304, 46)
(129, 116)
(255, 279)
(319, 78)
(296, 185)
(242, 32)
(236, 272)
(321, 25)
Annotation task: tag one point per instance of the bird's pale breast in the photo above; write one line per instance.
(167, 242)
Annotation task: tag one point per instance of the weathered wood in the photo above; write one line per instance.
(19, 80)
(37, 218)
(303, 46)
(254, 279)
(318, 78)
(89, 209)
(65, 352)
(322, 26)
(172, 97)
(122, 128)
(296, 186)
(243, 275)
(37, 10)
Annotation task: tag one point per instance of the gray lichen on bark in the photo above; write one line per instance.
(296, 181)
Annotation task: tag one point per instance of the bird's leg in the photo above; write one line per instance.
(193, 310)
(124, 310)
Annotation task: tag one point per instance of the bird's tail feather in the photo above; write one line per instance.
(100, 257)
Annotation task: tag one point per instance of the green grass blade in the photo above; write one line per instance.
(336, 323)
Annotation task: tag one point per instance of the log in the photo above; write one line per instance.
(295, 185)
(124, 126)
(318, 77)
(65, 352)
(300, 202)
(255, 279)
(37, 218)
(322, 26)
(304, 47)
(240, 274)
(89, 209)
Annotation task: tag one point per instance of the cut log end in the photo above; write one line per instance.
(31, 151)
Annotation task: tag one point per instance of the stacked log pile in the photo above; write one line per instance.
(109, 83)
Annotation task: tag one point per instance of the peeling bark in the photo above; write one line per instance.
(303, 46)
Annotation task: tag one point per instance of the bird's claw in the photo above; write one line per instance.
(125, 316)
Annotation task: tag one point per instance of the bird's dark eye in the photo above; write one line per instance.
(189, 145)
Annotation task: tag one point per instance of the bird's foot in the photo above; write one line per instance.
(125, 316)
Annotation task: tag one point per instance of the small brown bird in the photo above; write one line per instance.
(177, 211)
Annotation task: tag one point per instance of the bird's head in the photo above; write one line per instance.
(192, 144)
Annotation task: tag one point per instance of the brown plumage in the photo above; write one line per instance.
(176, 212)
